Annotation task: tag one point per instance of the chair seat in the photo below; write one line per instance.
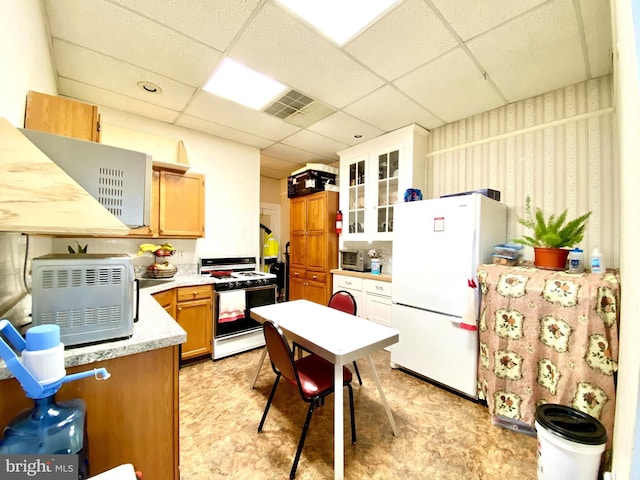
(316, 374)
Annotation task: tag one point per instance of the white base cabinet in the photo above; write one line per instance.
(373, 297)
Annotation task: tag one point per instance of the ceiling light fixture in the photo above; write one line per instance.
(236, 82)
(339, 20)
(150, 87)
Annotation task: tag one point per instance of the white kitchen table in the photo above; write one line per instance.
(337, 337)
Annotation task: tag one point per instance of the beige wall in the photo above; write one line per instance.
(557, 147)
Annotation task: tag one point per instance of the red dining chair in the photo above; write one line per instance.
(312, 375)
(345, 302)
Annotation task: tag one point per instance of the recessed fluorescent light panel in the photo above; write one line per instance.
(236, 82)
(340, 20)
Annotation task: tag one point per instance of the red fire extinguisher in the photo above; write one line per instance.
(339, 222)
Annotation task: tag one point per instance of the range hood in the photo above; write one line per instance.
(37, 196)
(119, 179)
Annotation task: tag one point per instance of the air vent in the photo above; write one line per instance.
(111, 189)
(299, 109)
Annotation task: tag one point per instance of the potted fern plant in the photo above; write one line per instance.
(552, 236)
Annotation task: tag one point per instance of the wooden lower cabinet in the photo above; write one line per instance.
(132, 417)
(167, 300)
(194, 313)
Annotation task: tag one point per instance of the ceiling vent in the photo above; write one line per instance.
(298, 109)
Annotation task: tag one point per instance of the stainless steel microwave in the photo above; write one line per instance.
(356, 260)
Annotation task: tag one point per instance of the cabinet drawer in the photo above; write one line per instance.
(377, 287)
(346, 282)
(194, 293)
(297, 273)
(317, 276)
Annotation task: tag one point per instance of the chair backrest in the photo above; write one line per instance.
(279, 351)
(344, 301)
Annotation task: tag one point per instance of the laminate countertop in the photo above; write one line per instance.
(155, 328)
(349, 273)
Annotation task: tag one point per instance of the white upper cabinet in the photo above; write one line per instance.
(373, 178)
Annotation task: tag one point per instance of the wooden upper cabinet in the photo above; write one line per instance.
(62, 116)
(181, 198)
(177, 206)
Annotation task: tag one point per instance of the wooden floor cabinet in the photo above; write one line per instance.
(314, 246)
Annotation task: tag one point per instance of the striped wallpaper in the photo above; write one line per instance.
(557, 147)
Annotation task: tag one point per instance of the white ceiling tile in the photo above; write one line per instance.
(472, 17)
(98, 96)
(225, 112)
(279, 45)
(342, 127)
(115, 31)
(285, 152)
(105, 72)
(276, 167)
(596, 17)
(389, 109)
(535, 53)
(215, 23)
(451, 87)
(407, 37)
(312, 142)
(222, 131)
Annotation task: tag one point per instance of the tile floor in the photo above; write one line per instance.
(441, 435)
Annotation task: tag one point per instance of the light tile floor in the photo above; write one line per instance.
(441, 435)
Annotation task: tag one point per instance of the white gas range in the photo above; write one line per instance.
(238, 287)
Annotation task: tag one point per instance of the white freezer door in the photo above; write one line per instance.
(434, 253)
(435, 347)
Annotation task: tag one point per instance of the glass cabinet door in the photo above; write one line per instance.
(388, 195)
(357, 199)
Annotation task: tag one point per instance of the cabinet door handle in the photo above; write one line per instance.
(295, 274)
(378, 287)
(348, 283)
(315, 277)
(179, 309)
(194, 293)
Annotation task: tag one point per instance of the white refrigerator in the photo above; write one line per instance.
(437, 246)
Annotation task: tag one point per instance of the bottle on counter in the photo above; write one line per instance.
(576, 261)
(597, 261)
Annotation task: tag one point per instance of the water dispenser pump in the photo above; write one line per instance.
(49, 427)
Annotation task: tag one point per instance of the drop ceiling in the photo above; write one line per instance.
(429, 62)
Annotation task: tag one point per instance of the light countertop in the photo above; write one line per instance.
(349, 273)
(155, 328)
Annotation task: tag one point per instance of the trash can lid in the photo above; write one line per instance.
(571, 424)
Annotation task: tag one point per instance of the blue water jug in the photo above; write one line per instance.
(49, 427)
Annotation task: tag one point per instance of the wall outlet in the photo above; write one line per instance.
(180, 255)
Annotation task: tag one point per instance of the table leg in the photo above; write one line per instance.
(338, 423)
(264, 354)
(394, 429)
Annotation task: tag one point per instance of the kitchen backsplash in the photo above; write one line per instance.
(13, 246)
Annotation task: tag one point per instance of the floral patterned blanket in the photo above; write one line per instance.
(547, 337)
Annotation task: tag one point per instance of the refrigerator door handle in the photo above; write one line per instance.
(452, 318)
